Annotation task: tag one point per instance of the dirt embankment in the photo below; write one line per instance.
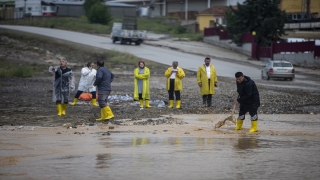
(28, 101)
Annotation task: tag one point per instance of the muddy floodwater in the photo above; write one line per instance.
(286, 147)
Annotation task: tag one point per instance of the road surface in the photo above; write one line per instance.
(156, 54)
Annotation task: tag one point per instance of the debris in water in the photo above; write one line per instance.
(230, 118)
(221, 123)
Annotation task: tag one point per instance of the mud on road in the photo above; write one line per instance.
(28, 101)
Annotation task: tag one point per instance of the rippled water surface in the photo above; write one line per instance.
(286, 147)
(137, 156)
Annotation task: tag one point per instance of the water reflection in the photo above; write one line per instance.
(139, 141)
(103, 160)
(172, 141)
(244, 143)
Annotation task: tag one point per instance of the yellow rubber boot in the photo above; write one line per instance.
(171, 104)
(75, 100)
(147, 104)
(59, 109)
(94, 102)
(239, 124)
(254, 126)
(141, 103)
(178, 104)
(109, 113)
(64, 109)
(103, 113)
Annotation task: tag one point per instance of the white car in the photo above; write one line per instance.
(278, 69)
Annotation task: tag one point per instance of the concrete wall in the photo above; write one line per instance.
(70, 10)
(300, 59)
(291, 5)
(215, 40)
(294, 6)
(120, 12)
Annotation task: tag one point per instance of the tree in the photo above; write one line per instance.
(261, 16)
(88, 4)
(99, 13)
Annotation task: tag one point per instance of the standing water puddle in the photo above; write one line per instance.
(44, 153)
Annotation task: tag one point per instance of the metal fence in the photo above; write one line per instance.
(317, 51)
(288, 47)
(216, 31)
(259, 52)
(293, 47)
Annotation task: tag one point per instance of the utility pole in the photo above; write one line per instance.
(305, 9)
(181, 14)
(25, 7)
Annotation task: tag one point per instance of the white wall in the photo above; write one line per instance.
(32, 6)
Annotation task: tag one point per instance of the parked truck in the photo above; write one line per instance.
(127, 33)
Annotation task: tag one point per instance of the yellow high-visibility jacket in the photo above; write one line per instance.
(145, 85)
(203, 78)
(177, 81)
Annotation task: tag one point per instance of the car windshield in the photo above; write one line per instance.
(282, 64)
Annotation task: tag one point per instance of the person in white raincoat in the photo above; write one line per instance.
(88, 76)
(62, 83)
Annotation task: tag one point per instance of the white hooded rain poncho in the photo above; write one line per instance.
(87, 79)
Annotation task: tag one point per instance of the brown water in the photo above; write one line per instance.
(57, 153)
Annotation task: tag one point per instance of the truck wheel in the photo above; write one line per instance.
(122, 41)
(137, 43)
(114, 40)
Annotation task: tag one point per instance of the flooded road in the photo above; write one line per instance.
(286, 147)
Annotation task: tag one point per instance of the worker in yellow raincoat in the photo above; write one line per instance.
(174, 76)
(141, 90)
(207, 80)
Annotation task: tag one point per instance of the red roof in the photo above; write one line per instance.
(216, 11)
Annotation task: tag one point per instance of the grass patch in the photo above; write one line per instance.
(191, 36)
(82, 24)
(149, 25)
(35, 49)
(8, 69)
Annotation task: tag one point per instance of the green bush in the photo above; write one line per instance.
(180, 30)
(99, 14)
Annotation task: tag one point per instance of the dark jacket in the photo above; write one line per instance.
(103, 79)
(248, 93)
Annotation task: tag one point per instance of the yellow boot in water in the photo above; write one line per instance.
(147, 104)
(178, 104)
(103, 113)
(75, 100)
(239, 124)
(171, 104)
(141, 103)
(64, 109)
(254, 126)
(59, 109)
(94, 102)
(109, 113)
